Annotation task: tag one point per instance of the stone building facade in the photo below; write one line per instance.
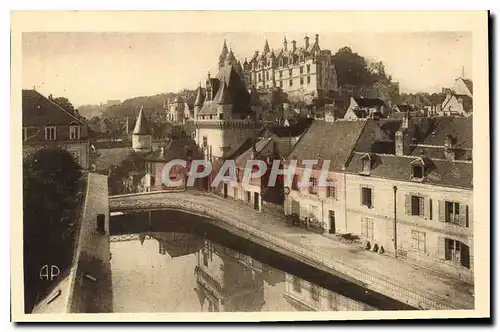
(305, 72)
(46, 124)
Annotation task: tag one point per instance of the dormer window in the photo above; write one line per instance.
(74, 132)
(366, 164)
(417, 172)
(417, 169)
(50, 133)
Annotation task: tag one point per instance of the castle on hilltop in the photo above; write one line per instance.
(303, 72)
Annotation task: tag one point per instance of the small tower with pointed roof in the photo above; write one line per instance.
(177, 110)
(142, 137)
(224, 103)
(198, 104)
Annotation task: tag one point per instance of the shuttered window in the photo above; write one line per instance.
(414, 205)
(367, 196)
(454, 213)
(331, 190)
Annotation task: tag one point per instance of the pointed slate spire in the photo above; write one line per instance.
(224, 97)
(224, 51)
(141, 126)
(266, 47)
(200, 98)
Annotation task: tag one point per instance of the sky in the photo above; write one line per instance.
(89, 68)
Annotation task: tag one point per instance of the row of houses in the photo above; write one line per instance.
(402, 186)
(456, 101)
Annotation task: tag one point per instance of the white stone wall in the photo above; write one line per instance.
(142, 142)
(381, 214)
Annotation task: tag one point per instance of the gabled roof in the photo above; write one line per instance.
(418, 100)
(468, 84)
(437, 171)
(178, 100)
(460, 128)
(249, 154)
(403, 107)
(39, 110)
(369, 102)
(175, 149)
(329, 140)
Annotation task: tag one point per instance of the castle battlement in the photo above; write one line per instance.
(228, 124)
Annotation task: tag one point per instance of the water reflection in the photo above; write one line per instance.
(182, 272)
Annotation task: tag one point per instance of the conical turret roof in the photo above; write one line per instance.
(141, 125)
(266, 47)
(200, 98)
(225, 96)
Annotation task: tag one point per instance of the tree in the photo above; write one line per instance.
(377, 72)
(52, 191)
(64, 103)
(353, 69)
(135, 162)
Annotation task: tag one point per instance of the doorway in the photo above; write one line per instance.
(331, 218)
(225, 190)
(256, 201)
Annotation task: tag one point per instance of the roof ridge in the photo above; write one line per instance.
(80, 121)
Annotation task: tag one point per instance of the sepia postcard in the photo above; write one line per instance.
(241, 166)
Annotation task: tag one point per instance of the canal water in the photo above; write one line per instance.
(161, 263)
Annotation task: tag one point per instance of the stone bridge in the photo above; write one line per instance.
(399, 284)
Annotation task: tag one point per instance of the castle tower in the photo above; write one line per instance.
(225, 118)
(177, 110)
(200, 99)
(141, 137)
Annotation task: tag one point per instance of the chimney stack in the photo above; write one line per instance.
(449, 153)
(399, 143)
(306, 39)
(294, 45)
(316, 38)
